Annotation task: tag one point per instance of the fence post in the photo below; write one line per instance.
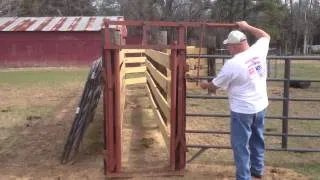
(173, 107)
(111, 103)
(285, 106)
(178, 104)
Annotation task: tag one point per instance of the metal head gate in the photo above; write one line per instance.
(113, 102)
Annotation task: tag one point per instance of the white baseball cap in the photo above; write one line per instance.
(235, 37)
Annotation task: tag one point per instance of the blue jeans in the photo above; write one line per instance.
(247, 143)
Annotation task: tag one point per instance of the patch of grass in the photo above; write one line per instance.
(299, 70)
(310, 169)
(31, 96)
(52, 76)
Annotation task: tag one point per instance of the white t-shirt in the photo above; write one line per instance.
(244, 77)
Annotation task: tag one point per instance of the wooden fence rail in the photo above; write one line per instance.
(158, 86)
(134, 60)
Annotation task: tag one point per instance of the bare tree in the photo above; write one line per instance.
(10, 7)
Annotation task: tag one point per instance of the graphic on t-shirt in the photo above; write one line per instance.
(254, 67)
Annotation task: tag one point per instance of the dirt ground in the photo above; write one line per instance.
(34, 150)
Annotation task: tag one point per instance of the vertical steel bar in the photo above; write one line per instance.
(105, 109)
(145, 35)
(181, 118)
(111, 162)
(112, 159)
(181, 107)
(117, 107)
(285, 107)
(211, 63)
(173, 107)
(201, 42)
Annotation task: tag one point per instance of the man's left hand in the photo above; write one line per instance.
(204, 84)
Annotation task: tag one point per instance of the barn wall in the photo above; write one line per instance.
(21, 49)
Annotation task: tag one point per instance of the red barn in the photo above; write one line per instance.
(51, 41)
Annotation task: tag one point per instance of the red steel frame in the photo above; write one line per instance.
(111, 64)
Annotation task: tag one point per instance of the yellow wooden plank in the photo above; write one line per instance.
(195, 50)
(125, 51)
(169, 87)
(158, 96)
(139, 80)
(135, 59)
(158, 77)
(123, 98)
(202, 61)
(159, 57)
(162, 126)
(140, 69)
(202, 72)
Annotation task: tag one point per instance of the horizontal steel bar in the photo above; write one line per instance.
(205, 97)
(270, 98)
(276, 79)
(313, 58)
(269, 79)
(206, 132)
(224, 115)
(206, 115)
(268, 117)
(208, 56)
(276, 98)
(269, 149)
(303, 118)
(146, 46)
(266, 134)
(226, 97)
(306, 80)
(304, 99)
(199, 78)
(171, 24)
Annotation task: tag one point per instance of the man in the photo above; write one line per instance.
(244, 77)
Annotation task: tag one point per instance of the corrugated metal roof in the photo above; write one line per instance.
(81, 23)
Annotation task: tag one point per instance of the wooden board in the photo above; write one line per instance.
(165, 108)
(159, 57)
(158, 77)
(135, 59)
(202, 72)
(125, 51)
(130, 70)
(139, 80)
(162, 126)
(203, 61)
(195, 50)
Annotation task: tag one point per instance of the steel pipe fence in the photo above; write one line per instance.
(285, 99)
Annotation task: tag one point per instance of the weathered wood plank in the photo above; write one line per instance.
(140, 69)
(159, 57)
(139, 80)
(125, 51)
(158, 76)
(162, 126)
(164, 106)
(195, 50)
(194, 61)
(129, 60)
(202, 72)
